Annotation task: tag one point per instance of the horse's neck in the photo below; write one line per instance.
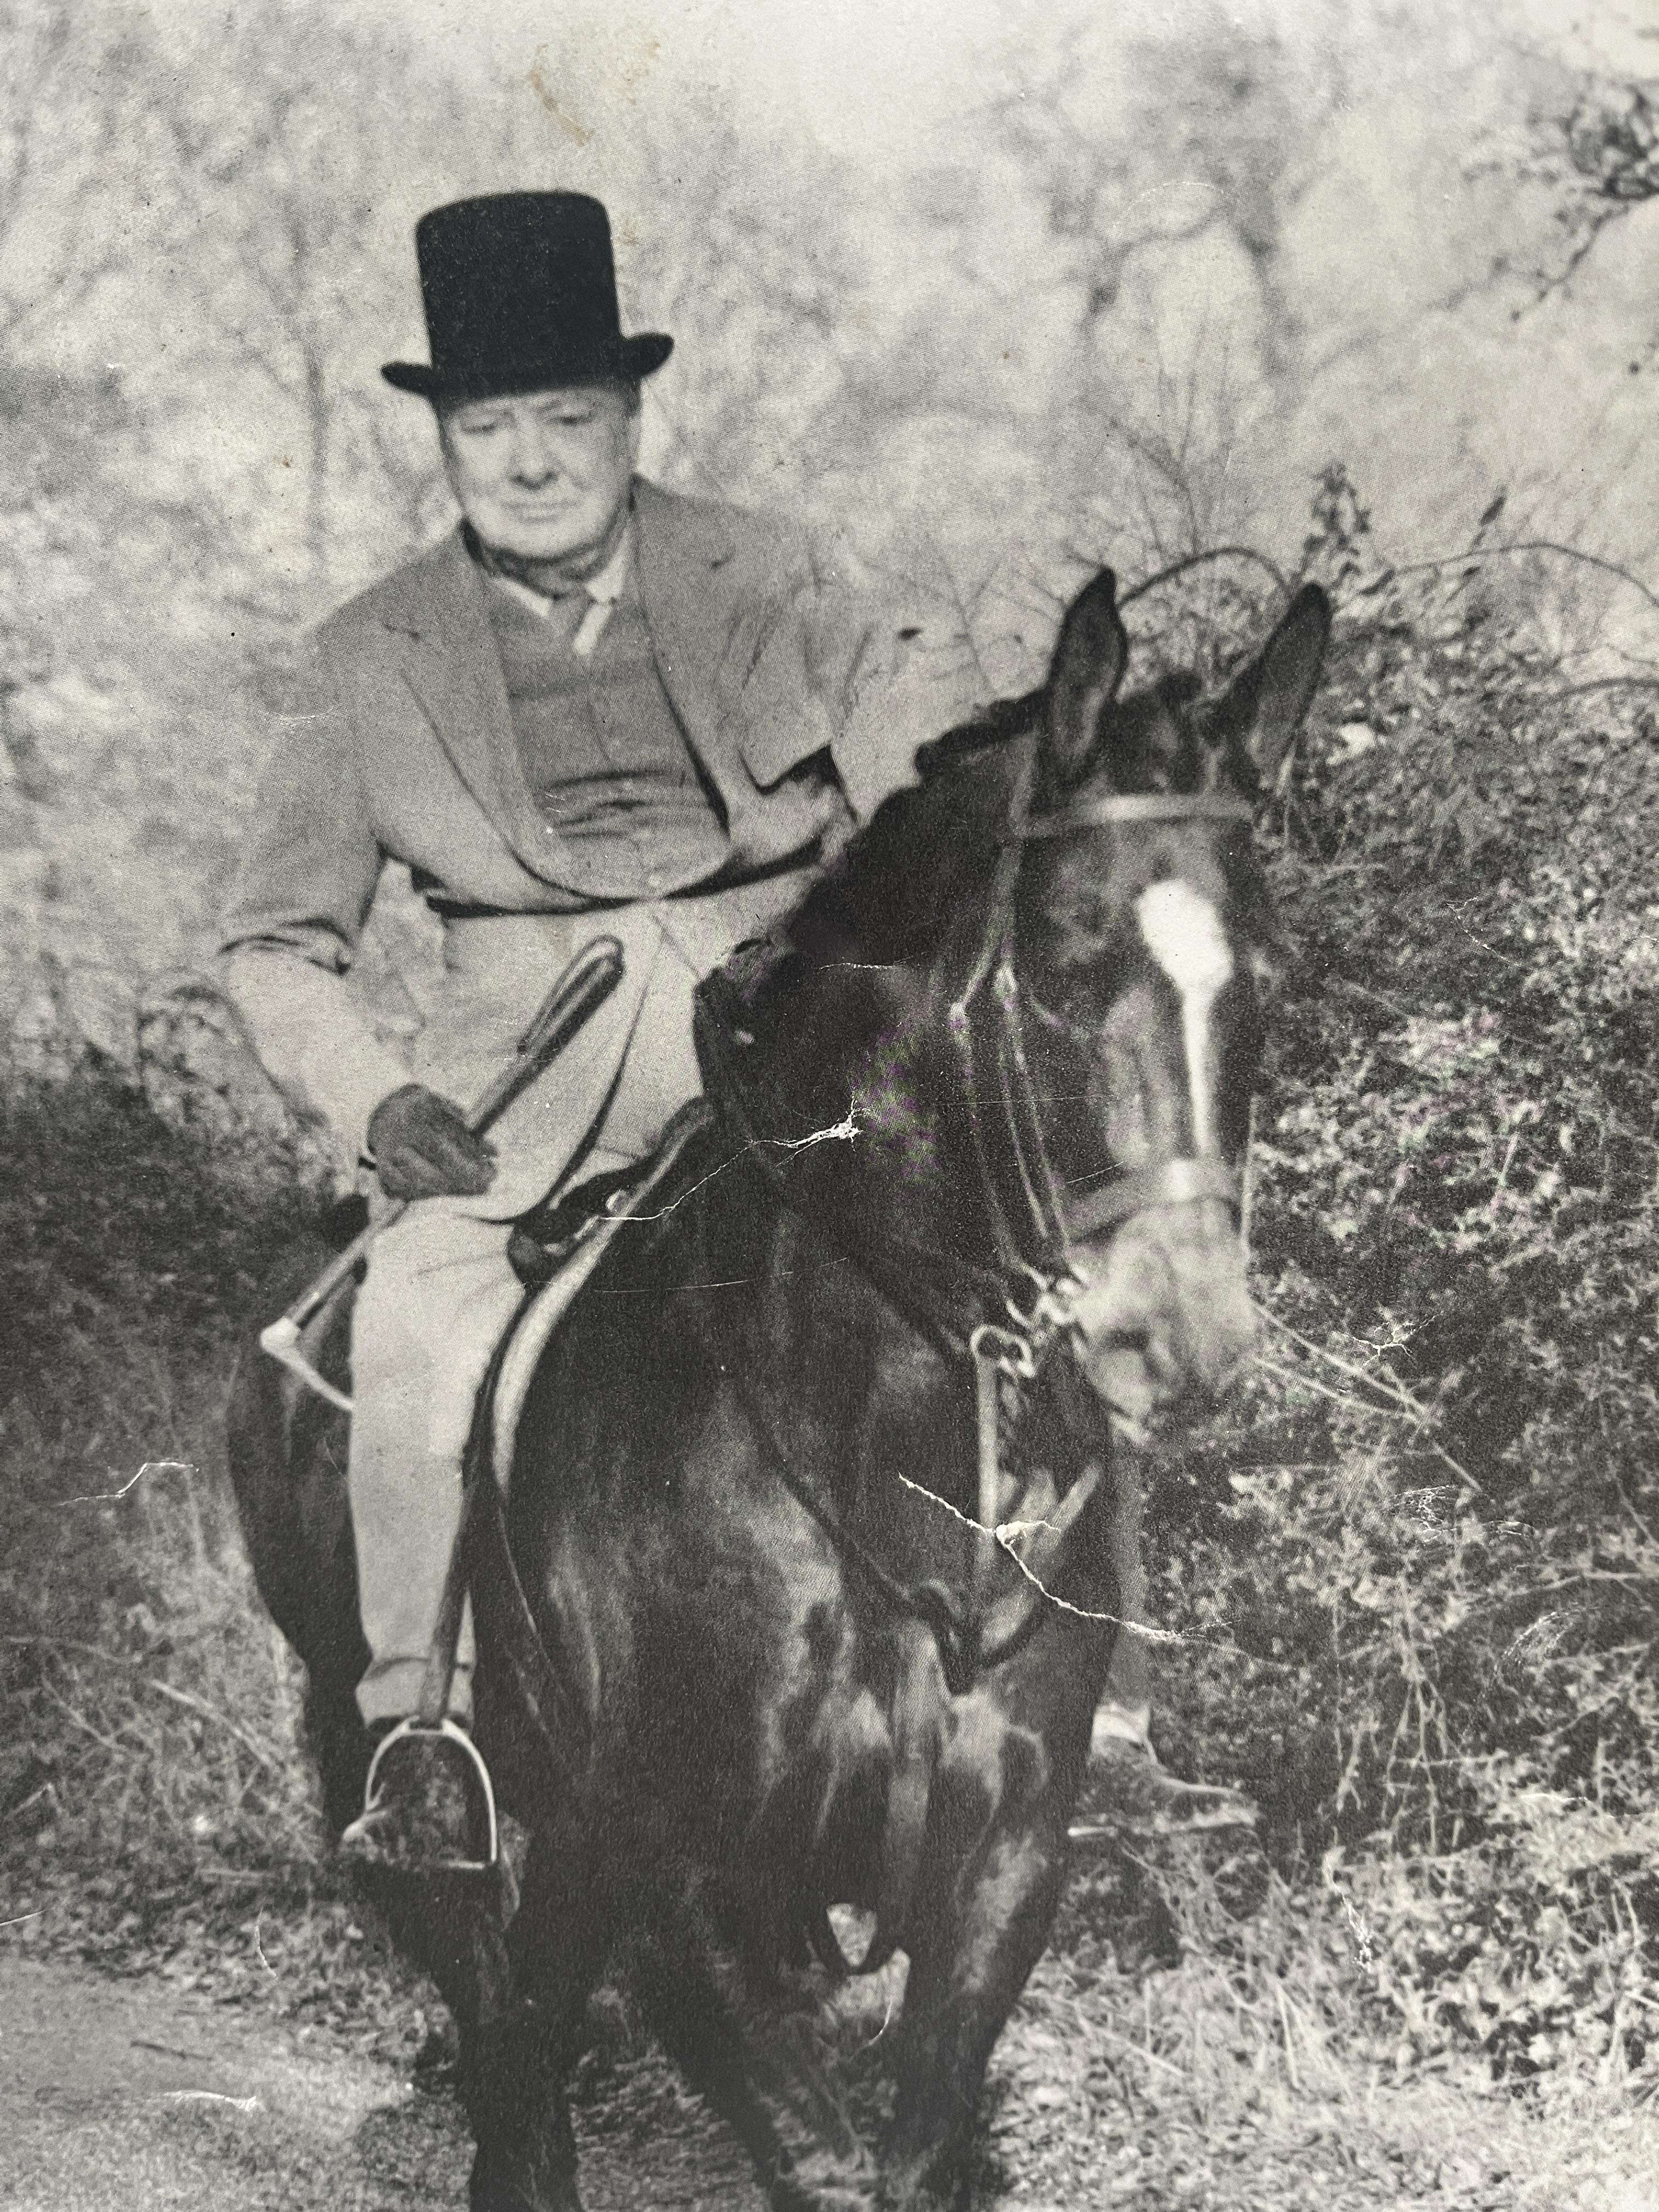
(851, 1055)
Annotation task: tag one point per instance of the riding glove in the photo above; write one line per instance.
(422, 1148)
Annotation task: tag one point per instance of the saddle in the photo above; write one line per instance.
(557, 1244)
(554, 1248)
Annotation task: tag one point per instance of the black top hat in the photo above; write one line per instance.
(520, 291)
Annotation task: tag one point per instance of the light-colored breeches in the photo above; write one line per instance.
(439, 1290)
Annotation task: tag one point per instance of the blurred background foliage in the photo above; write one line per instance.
(1063, 285)
(1369, 288)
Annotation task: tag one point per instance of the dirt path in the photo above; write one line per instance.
(132, 2094)
(127, 2094)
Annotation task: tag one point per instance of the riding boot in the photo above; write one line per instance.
(1130, 1790)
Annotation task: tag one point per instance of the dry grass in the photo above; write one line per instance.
(1255, 2066)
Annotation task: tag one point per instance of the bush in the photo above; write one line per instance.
(1426, 1543)
(152, 1790)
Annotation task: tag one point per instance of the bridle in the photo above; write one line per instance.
(1036, 1223)
(1039, 1231)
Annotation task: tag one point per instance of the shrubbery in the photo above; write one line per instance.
(1427, 1542)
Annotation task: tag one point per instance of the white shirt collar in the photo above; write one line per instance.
(605, 585)
(603, 588)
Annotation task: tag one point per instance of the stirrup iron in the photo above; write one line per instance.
(448, 1732)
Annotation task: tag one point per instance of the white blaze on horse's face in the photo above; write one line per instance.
(1184, 933)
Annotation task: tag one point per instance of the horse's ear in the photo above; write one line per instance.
(1261, 709)
(1089, 658)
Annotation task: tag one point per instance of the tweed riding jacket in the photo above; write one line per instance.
(801, 701)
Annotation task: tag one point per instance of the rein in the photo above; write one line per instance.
(1036, 1225)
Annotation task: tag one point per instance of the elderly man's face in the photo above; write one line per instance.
(544, 475)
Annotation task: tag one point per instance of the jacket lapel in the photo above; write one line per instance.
(686, 577)
(452, 664)
(691, 587)
(734, 668)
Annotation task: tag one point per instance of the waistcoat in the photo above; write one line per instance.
(603, 753)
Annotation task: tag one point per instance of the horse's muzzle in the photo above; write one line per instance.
(1165, 1319)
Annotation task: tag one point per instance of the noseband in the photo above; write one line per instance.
(1036, 1223)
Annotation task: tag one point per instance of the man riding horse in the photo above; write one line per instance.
(596, 706)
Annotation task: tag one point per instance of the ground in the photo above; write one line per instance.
(124, 2093)
(121, 2090)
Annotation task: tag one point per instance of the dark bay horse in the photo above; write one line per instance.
(970, 1180)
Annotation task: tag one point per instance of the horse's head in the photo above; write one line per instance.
(1140, 938)
(1037, 978)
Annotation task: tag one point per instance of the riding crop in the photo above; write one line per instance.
(579, 993)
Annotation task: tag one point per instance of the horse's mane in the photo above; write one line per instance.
(902, 873)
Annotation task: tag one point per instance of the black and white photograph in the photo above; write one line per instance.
(829, 1106)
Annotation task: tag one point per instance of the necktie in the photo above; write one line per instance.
(564, 614)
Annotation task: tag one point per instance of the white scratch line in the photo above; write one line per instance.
(21, 1918)
(1141, 1628)
(258, 1922)
(838, 1133)
(886, 2022)
(149, 1466)
(1009, 1529)
(211, 2097)
(955, 1511)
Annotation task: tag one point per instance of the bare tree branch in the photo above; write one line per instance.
(1478, 553)
(1598, 155)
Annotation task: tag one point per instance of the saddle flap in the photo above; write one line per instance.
(586, 1221)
